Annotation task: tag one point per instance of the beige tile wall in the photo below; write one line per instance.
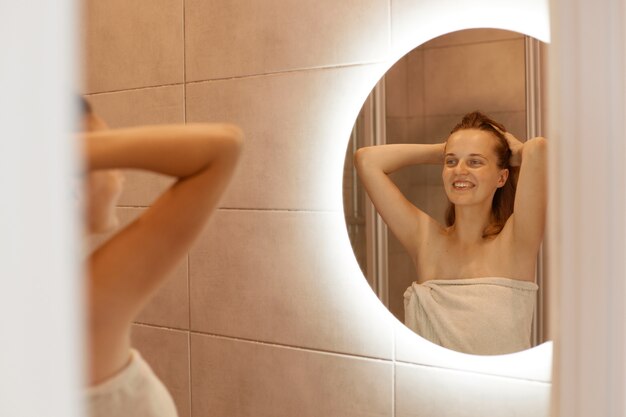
(269, 315)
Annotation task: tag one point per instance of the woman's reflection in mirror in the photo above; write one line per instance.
(133, 263)
(475, 291)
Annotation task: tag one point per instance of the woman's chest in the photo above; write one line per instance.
(445, 260)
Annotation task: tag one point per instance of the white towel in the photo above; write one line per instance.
(133, 392)
(483, 316)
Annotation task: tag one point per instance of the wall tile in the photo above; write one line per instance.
(396, 90)
(515, 122)
(439, 127)
(301, 158)
(415, 130)
(464, 37)
(437, 202)
(285, 277)
(481, 76)
(252, 38)
(415, 22)
(532, 364)
(434, 392)
(401, 275)
(132, 44)
(396, 129)
(415, 83)
(146, 106)
(240, 379)
(167, 352)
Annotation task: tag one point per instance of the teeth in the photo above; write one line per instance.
(462, 184)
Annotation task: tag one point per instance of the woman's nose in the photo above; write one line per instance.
(461, 167)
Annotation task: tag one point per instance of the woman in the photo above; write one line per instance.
(475, 291)
(125, 272)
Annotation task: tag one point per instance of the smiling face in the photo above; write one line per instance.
(471, 174)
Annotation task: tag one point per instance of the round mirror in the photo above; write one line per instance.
(480, 296)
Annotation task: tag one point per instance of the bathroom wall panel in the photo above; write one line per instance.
(476, 75)
(404, 130)
(296, 133)
(414, 22)
(248, 379)
(132, 44)
(463, 37)
(401, 266)
(423, 391)
(437, 198)
(146, 106)
(286, 277)
(415, 83)
(530, 365)
(437, 128)
(238, 38)
(396, 92)
(167, 352)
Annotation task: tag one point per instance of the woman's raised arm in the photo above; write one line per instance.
(374, 164)
(128, 268)
(529, 213)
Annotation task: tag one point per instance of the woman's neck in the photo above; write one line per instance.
(470, 223)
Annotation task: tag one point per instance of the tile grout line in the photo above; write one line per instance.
(394, 371)
(184, 66)
(291, 347)
(471, 43)
(290, 71)
(189, 335)
(237, 77)
(465, 371)
(280, 210)
(270, 344)
(190, 397)
(393, 360)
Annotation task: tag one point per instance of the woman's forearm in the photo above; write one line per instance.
(390, 158)
(176, 150)
(528, 148)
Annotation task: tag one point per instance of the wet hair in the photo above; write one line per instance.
(504, 197)
(84, 106)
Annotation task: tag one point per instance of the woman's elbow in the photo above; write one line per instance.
(536, 146)
(234, 138)
(540, 142)
(226, 138)
(362, 157)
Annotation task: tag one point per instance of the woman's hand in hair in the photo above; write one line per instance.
(516, 147)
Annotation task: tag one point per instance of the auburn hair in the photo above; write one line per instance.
(504, 198)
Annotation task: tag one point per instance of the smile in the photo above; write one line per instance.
(462, 185)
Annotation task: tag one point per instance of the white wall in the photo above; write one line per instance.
(40, 314)
(587, 127)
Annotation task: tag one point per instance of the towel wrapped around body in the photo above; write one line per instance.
(483, 316)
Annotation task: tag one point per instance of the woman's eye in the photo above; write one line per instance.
(475, 162)
(450, 162)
